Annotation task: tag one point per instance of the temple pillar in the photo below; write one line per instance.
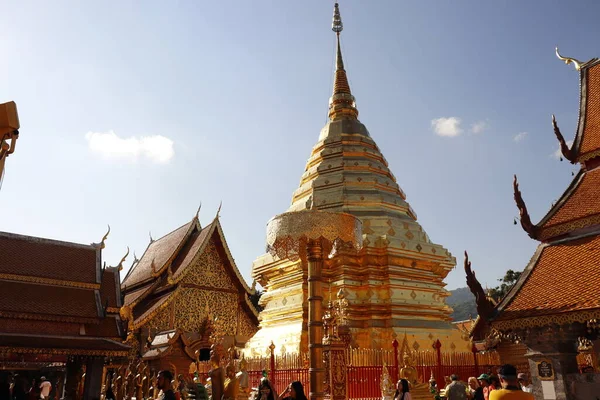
(72, 378)
(93, 378)
(315, 319)
(558, 366)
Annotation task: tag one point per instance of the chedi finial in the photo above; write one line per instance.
(337, 26)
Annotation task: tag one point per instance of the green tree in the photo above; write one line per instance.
(506, 283)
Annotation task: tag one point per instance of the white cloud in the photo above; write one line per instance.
(479, 127)
(449, 127)
(558, 154)
(157, 148)
(520, 136)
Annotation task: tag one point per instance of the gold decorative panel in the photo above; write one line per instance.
(209, 270)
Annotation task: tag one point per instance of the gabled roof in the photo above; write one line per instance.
(49, 259)
(577, 208)
(562, 278)
(587, 140)
(158, 255)
(46, 302)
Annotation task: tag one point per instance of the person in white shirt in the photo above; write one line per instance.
(45, 388)
(526, 385)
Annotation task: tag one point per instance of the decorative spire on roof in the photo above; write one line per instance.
(120, 266)
(569, 60)
(526, 223)
(485, 307)
(567, 152)
(341, 103)
(102, 244)
(198, 211)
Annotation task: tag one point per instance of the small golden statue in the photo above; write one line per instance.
(388, 388)
(231, 388)
(243, 380)
(216, 374)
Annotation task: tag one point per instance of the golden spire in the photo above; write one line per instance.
(341, 103)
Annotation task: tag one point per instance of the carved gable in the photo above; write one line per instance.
(210, 269)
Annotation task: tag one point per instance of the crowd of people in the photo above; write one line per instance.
(507, 385)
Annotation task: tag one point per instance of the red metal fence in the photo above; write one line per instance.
(365, 368)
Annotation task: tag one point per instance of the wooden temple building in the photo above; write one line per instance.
(554, 308)
(59, 308)
(185, 289)
(395, 285)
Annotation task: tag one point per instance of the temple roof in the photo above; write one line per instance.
(48, 302)
(561, 278)
(158, 254)
(147, 288)
(577, 210)
(346, 172)
(51, 259)
(60, 284)
(587, 140)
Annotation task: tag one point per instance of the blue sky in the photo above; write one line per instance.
(134, 112)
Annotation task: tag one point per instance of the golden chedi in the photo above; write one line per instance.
(394, 285)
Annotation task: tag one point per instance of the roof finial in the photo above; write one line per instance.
(198, 211)
(150, 234)
(120, 266)
(219, 210)
(569, 60)
(102, 245)
(341, 103)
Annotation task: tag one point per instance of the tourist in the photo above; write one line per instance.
(475, 391)
(525, 383)
(294, 391)
(265, 391)
(456, 390)
(484, 382)
(34, 391)
(402, 390)
(164, 384)
(510, 386)
(45, 388)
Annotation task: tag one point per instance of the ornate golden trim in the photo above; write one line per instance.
(113, 310)
(142, 322)
(569, 226)
(49, 281)
(589, 155)
(543, 320)
(82, 352)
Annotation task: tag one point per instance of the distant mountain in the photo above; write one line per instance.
(463, 303)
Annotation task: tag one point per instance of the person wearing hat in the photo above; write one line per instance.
(484, 382)
(525, 383)
(45, 388)
(510, 386)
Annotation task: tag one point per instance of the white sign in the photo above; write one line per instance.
(548, 390)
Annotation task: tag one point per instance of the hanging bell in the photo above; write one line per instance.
(560, 158)
(514, 221)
